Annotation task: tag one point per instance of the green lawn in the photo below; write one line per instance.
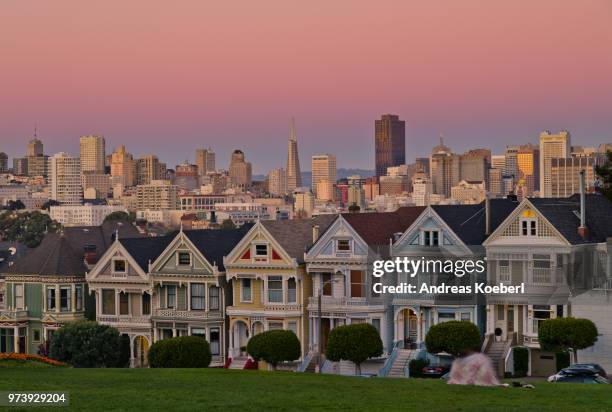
(205, 389)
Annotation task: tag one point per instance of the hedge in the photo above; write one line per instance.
(521, 361)
(355, 343)
(180, 352)
(274, 346)
(453, 337)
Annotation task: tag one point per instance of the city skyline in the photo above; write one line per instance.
(483, 76)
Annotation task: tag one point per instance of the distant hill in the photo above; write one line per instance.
(341, 174)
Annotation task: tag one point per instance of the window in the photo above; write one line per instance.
(36, 335)
(540, 314)
(198, 332)
(215, 342)
(445, 317)
(275, 325)
(529, 227)
(500, 312)
(50, 298)
(19, 296)
(431, 238)
(119, 266)
(357, 284)
(213, 298)
(376, 324)
(171, 296)
(198, 296)
(184, 259)
(466, 317)
(261, 250)
(275, 289)
(245, 286)
(146, 304)
(326, 281)
(504, 270)
(343, 245)
(541, 269)
(124, 303)
(292, 326)
(65, 298)
(291, 290)
(108, 301)
(78, 292)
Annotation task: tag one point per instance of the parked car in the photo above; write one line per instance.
(582, 378)
(434, 371)
(579, 368)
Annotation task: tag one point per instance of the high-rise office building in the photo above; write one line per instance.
(498, 162)
(35, 147)
(474, 166)
(65, 179)
(511, 167)
(528, 165)
(389, 143)
(205, 160)
(123, 166)
(92, 154)
(3, 162)
(444, 169)
(20, 166)
(186, 176)
(277, 182)
(323, 170)
(565, 174)
(495, 182)
(551, 146)
(157, 195)
(149, 168)
(38, 166)
(294, 174)
(239, 169)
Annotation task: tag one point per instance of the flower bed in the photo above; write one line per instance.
(28, 357)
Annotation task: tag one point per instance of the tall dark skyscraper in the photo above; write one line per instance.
(390, 143)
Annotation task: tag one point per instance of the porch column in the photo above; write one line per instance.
(516, 318)
(132, 360)
(16, 338)
(155, 337)
(490, 314)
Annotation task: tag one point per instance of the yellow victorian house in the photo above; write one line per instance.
(269, 282)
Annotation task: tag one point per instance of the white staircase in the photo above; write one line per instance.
(401, 362)
(496, 353)
(238, 363)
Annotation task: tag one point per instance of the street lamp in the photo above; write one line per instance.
(319, 298)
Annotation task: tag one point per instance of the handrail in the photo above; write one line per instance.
(304, 365)
(487, 342)
(384, 371)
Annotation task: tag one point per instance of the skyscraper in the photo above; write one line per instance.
(35, 147)
(149, 168)
(445, 169)
(389, 143)
(294, 174)
(123, 166)
(528, 165)
(205, 160)
(277, 182)
(92, 154)
(240, 169)
(324, 175)
(3, 162)
(65, 179)
(551, 146)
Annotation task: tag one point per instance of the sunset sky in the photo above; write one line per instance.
(166, 77)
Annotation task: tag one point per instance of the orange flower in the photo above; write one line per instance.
(35, 358)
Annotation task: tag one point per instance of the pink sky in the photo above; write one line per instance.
(169, 76)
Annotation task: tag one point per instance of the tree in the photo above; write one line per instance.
(274, 346)
(28, 228)
(455, 337)
(119, 215)
(567, 334)
(87, 344)
(15, 205)
(356, 343)
(354, 208)
(605, 172)
(47, 205)
(180, 352)
(228, 224)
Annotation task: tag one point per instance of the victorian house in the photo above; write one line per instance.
(268, 276)
(560, 250)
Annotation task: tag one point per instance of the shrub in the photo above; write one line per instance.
(180, 352)
(274, 346)
(22, 357)
(563, 334)
(355, 343)
(454, 337)
(562, 360)
(124, 352)
(521, 361)
(86, 344)
(416, 367)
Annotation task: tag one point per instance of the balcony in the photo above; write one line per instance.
(542, 276)
(187, 314)
(337, 301)
(605, 285)
(283, 307)
(124, 320)
(13, 314)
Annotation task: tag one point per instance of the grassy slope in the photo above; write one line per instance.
(106, 389)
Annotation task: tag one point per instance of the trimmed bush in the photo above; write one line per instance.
(562, 360)
(521, 361)
(180, 352)
(124, 352)
(274, 347)
(416, 367)
(454, 337)
(86, 344)
(356, 343)
(563, 334)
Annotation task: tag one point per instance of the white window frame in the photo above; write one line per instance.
(531, 224)
(22, 296)
(178, 259)
(242, 297)
(258, 256)
(348, 242)
(174, 306)
(116, 272)
(430, 242)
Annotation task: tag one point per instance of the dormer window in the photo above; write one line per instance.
(431, 238)
(343, 245)
(184, 259)
(261, 250)
(529, 227)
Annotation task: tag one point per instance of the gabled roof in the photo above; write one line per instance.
(214, 244)
(378, 228)
(564, 215)
(54, 256)
(468, 221)
(143, 250)
(100, 236)
(295, 236)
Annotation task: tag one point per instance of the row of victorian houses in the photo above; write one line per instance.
(310, 276)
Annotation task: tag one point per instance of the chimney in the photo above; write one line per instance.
(487, 215)
(315, 233)
(583, 231)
